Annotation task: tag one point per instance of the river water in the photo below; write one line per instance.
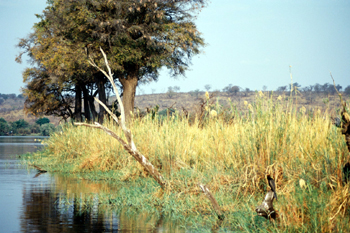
(32, 202)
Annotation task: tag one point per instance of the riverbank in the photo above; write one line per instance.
(301, 149)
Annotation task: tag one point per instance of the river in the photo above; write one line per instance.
(52, 203)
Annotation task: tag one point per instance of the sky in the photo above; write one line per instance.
(249, 43)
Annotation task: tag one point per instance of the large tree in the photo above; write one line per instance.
(139, 36)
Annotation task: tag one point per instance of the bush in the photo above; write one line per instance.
(4, 128)
(42, 120)
(47, 129)
(23, 131)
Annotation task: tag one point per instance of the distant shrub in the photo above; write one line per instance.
(42, 121)
(171, 93)
(20, 124)
(4, 128)
(35, 128)
(23, 131)
(195, 93)
(47, 129)
(347, 90)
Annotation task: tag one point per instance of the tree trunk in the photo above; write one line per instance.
(77, 112)
(129, 90)
(100, 82)
(86, 104)
(92, 108)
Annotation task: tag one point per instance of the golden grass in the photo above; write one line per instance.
(269, 137)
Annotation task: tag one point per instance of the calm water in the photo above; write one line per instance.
(52, 203)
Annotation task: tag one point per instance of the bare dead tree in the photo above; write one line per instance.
(129, 146)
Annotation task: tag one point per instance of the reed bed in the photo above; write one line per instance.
(300, 148)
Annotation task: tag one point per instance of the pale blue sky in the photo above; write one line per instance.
(251, 43)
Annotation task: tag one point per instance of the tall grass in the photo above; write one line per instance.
(231, 157)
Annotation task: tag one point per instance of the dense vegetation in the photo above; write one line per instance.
(140, 37)
(21, 127)
(231, 152)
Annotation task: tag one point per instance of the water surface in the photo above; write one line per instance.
(32, 202)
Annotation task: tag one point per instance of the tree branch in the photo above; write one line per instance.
(213, 201)
(130, 146)
(136, 154)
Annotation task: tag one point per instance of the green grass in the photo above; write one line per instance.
(232, 157)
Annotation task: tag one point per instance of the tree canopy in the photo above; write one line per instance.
(139, 37)
(42, 121)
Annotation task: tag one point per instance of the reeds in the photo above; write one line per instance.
(232, 157)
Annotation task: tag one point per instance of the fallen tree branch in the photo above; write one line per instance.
(213, 201)
(40, 170)
(136, 154)
(130, 145)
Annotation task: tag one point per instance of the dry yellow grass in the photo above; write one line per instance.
(271, 136)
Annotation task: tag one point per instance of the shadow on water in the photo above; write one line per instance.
(53, 203)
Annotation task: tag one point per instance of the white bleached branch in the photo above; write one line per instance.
(129, 146)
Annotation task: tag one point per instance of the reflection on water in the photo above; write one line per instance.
(47, 211)
(53, 203)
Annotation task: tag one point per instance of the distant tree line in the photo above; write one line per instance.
(41, 127)
(326, 88)
(10, 96)
(4, 97)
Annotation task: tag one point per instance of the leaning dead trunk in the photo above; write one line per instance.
(213, 201)
(136, 154)
(129, 146)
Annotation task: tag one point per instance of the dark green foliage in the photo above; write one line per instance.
(139, 37)
(47, 129)
(4, 127)
(34, 129)
(22, 127)
(42, 120)
(20, 124)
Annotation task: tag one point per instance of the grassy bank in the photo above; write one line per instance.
(232, 157)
